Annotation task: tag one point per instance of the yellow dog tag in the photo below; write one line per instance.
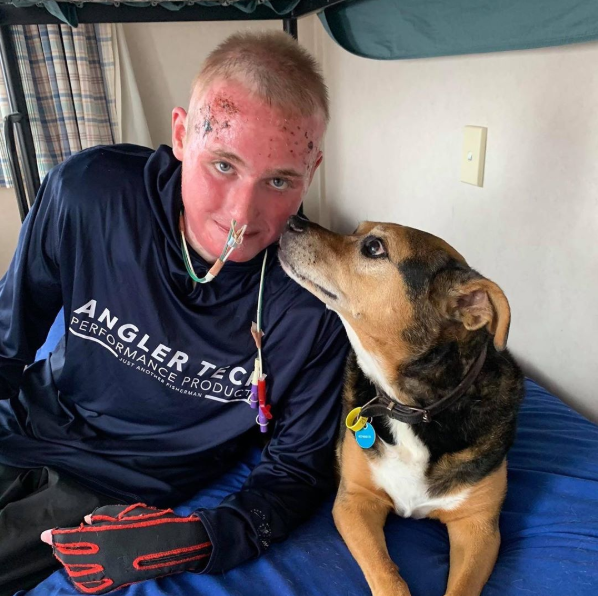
(354, 421)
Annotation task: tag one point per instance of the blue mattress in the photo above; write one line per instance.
(549, 527)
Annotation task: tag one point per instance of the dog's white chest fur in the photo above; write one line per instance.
(401, 473)
(401, 469)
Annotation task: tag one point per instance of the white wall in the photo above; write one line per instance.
(393, 154)
(10, 224)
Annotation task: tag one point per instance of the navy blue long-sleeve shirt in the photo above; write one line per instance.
(146, 397)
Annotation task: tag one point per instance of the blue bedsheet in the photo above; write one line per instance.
(549, 528)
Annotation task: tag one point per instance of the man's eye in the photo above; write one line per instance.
(279, 183)
(373, 248)
(223, 167)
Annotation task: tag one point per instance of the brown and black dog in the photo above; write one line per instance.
(430, 371)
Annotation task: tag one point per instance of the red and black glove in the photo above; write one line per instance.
(125, 544)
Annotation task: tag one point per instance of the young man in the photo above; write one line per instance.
(147, 396)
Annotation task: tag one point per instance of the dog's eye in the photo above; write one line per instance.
(373, 248)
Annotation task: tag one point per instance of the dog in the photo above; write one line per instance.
(438, 392)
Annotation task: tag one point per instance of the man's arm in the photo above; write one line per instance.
(296, 470)
(30, 292)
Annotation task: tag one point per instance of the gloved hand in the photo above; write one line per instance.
(125, 544)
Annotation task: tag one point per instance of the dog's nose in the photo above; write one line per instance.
(297, 224)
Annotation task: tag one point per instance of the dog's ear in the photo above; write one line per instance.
(476, 303)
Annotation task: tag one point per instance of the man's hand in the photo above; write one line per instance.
(125, 544)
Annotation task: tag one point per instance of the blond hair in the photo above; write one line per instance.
(272, 66)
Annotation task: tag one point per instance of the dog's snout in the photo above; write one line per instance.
(296, 223)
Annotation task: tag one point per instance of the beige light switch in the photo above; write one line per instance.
(474, 155)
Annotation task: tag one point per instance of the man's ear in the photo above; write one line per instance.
(179, 132)
(317, 163)
(477, 303)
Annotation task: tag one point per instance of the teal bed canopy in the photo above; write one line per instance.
(400, 29)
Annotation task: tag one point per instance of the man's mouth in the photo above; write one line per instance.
(226, 229)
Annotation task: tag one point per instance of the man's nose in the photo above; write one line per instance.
(244, 203)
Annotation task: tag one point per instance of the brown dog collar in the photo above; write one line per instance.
(383, 405)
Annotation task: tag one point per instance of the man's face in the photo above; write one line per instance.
(242, 160)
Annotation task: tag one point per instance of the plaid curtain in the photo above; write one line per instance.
(69, 83)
